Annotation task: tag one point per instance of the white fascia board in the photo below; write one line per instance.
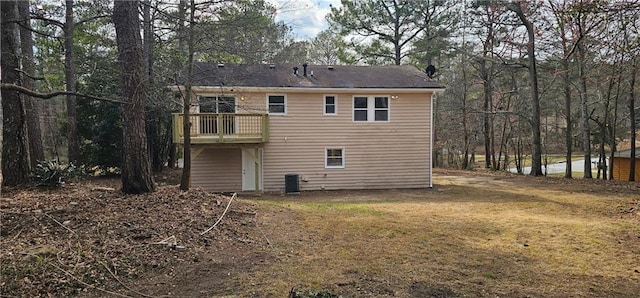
(227, 89)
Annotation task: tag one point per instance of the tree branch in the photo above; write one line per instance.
(31, 76)
(47, 20)
(81, 22)
(32, 93)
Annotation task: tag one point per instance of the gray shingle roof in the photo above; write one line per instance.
(627, 153)
(318, 76)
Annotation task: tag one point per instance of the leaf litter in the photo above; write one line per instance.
(91, 238)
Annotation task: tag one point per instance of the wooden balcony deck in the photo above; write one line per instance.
(214, 128)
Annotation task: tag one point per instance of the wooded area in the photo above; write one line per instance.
(525, 79)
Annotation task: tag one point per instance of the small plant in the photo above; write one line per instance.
(52, 173)
(311, 293)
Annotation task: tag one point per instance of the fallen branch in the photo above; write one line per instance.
(121, 283)
(16, 236)
(170, 241)
(221, 216)
(263, 234)
(78, 279)
(51, 217)
(102, 188)
(243, 212)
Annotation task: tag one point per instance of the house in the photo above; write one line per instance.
(622, 165)
(285, 128)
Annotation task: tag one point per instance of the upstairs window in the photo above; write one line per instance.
(330, 105)
(277, 104)
(360, 108)
(371, 108)
(217, 104)
(381, 108)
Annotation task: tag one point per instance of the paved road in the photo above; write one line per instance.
(555, 168)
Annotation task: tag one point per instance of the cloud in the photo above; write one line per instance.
(306, 17)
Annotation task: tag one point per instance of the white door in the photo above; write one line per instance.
(249, 169)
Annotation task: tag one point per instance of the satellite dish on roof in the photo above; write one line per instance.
(431, 70)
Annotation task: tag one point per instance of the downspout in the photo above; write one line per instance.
(431, 133)
(433, 95)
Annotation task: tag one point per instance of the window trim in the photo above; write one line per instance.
(285, 104)
(326, 157)
(371, 109)
(335, 105)
(353, 109)
(375, 109)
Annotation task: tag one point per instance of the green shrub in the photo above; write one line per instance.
(52, 173)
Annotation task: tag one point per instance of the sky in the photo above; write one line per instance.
(306, 17)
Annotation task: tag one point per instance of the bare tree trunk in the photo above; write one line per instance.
(561, 21)
(536, 158)
(34, 133)
(567, 109)
(466, 164)
(15, 163)
(136, 166)
(602, 160)
(612, 127)
(632, 118)
(185, 181)
(70, 81)
(154, 118)
(602, 157)
(487, 131)
(584, 102)
(182, 7)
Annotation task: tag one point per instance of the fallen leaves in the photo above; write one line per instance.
(84, 236)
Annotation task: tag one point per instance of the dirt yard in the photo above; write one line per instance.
(474, 234)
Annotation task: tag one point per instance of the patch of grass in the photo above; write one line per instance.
(337, 207)
(489, 276)
(311, 293)
(574, 174)
(540, 237)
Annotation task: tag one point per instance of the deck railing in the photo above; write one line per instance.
(223, 128)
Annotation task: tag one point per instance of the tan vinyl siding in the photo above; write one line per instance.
(217, 170)
(394, 154)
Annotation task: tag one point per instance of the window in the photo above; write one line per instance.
(370, 109)
(277, 104)
(381, 109)
(330, 105)
(210, 122)
(360, 112)
(217, 104)
(334, 158)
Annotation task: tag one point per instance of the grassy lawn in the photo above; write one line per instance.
(470, 236)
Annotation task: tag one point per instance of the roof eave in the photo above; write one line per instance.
(227, 89)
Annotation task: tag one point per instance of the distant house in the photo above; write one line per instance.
(622, 165)
(286, 128)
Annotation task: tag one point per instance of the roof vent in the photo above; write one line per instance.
(304, 69)
(330, 67)
(295, 70)
(431, 70)
(220, 65)
(272, 66)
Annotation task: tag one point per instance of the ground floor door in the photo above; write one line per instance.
(251, 169)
